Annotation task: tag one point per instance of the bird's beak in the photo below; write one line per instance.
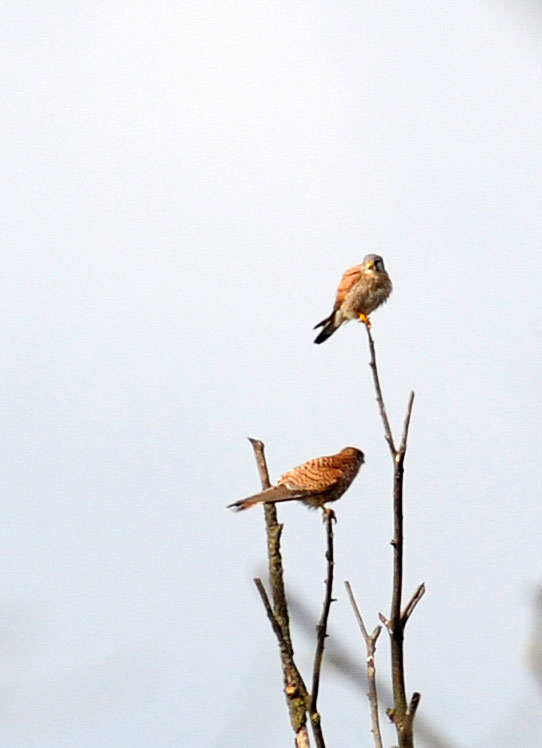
(370, 265)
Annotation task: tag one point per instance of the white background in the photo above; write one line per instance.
(182, 186)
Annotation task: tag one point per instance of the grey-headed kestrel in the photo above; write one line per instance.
(314, 482)
(362, 289)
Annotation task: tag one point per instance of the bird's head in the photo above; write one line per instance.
(354, 454)
(374, 263)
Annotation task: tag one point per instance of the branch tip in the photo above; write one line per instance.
(370, 646)
(414, 600)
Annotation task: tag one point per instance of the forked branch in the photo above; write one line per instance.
(370, 646)
(402, 713)
(296, 693)
(300, 702)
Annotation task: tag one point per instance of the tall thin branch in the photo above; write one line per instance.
(402, 714)
(370, 646)
(298, 699)
(321, 628)
(274, 532)
(297, 696)
(396, 624)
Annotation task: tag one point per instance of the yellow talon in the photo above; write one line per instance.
(366, 321)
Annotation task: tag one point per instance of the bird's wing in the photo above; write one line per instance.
(313, 476)
(349, 279)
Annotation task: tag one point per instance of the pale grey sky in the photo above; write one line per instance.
(183, 185)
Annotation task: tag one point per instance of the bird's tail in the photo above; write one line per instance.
(328, 325)
(271, 495)
(238, 506)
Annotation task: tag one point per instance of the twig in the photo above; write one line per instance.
(370, 645)
(294, 682)
(321, 628)
(379, 397)
(413, 706)
(414, 600)
(406, 425)
(399, 714)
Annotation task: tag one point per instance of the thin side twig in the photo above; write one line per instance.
(412, 707)
(321, 628)
(406, 425)
(370, 646)
(295, 682)
(414, 600)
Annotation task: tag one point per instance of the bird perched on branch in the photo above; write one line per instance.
(362, 289)
(314, 482)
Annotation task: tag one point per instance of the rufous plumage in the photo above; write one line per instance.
(315, 482)
(362, 289)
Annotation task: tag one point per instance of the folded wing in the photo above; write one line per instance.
(349, 279)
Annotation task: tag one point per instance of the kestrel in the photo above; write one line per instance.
(362, 289)
(314, 482)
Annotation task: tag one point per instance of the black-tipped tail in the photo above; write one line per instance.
(328, 326)
(238, 506)
(273, 494)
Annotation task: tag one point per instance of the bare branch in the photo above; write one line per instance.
(406, 425)
(259, 453)
(274, 532)
(370, 646)
(413, 706)
(379, 398)
(395, 626)
(414, 600)
(297, 697)
(294, 682)
(321, 628)
(340, 659)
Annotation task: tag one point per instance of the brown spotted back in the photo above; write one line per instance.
(332, 472)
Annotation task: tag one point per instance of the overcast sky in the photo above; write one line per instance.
(183, 185)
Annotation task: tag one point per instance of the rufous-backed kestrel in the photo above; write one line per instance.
(362, 289)
(314, 483)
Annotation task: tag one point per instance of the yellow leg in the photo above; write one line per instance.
(365, 319)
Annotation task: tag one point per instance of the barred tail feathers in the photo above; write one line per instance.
(273, 494)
